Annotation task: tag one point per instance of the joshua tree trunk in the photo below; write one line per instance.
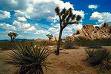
(65, 17)
(59, 42)
(11, 39)
(49, 41)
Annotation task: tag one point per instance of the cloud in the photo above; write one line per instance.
(68, 31)
(37, 10)
(7, 27)
(101, 17)
(80, 12)
(21, 19)
(14, 4)
(4, 14)
(21, 13)
(24, 26)
(45, 8)
(18, 26)
(92, 6)
(24, 29)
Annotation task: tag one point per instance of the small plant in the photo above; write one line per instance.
(41, 43)
(90, 52)
(100, 57)
(29, 59)
(50, 36)
(69, 43)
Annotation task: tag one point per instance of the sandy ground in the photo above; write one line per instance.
(70, 61)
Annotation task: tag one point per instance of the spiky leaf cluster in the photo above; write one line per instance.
(50, 36)
(67, 17)
(30, 59)
(12, 35)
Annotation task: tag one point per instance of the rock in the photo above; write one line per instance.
(93, 32)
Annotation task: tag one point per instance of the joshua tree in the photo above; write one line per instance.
(50, 36)
(65, 17)
(12, 35)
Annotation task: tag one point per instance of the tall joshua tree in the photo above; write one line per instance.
(65, 17)
(50, 36)
(12, 35)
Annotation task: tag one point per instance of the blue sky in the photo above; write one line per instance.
(33, 19)
(102, 6)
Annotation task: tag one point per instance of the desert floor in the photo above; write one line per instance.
(70, 61)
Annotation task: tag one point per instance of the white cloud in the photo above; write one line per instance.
(38, 10)
(21, 13)
(101, 17)
(23, 26)
(92, 6)
(21, 19)
(4, 14)
(7, 27)
(42, 32)
(81, 13)
(68, 31)
(62, 5)
(35, 8)
(96, 15)
(25, 30)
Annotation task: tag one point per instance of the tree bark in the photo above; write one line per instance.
(49, 41)
(59, 42)
(11, 39)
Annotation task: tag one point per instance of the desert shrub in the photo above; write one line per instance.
(82, 41)
(45, 43)
(29, 59)
(42, 43)
(10, 45)
(68, 43)
(100, 57)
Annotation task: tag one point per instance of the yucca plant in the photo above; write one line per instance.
(90, 52)
(29, 59)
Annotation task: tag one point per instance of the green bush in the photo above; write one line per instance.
(101, 57)
(29, 59)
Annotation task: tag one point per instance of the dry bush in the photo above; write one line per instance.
(99, 57)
